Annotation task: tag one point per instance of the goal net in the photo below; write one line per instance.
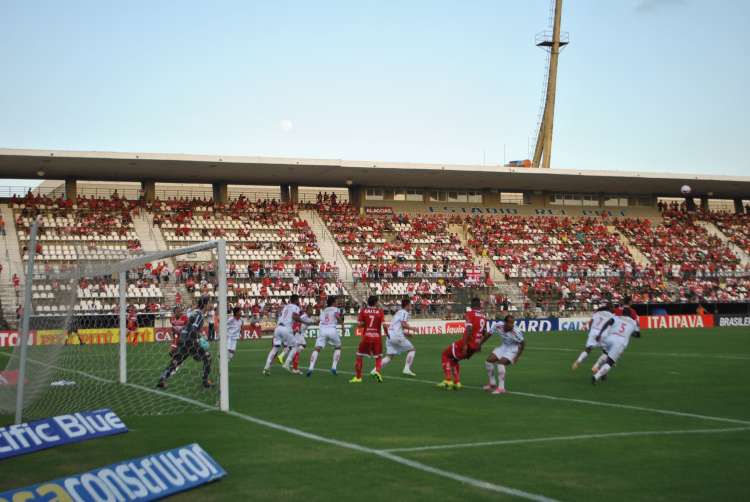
(113, 329)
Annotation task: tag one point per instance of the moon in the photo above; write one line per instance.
(286, 125)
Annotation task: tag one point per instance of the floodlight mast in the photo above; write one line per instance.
(552, 42)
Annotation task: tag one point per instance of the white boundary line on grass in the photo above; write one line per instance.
(658, 354)
(476, 483)
(580, 401)
(565, 438)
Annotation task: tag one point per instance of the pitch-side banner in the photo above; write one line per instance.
(573, 323)
(726, 321)
(147, 478)
(677, 321)
(63, 429)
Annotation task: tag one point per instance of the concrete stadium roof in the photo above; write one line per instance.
(117, 166)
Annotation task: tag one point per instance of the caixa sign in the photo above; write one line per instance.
(574, 323)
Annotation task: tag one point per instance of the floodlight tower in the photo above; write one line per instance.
(552, 42)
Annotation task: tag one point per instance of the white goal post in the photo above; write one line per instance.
(59, 357)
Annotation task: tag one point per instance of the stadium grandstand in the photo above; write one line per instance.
(553, 241)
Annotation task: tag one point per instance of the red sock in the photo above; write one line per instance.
(447, 368)
(295, 361)
(456, 372)
(378, 363)
(358, 367)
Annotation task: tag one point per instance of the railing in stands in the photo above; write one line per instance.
(133, 193)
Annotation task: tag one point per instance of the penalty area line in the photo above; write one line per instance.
(566, 438)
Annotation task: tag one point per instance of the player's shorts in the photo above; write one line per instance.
(190, 348)
(614, 346)
(283, 335)
(328, 335)
(591, 340)
(299, 339)
(508, 352)
(456, 348)
(397, 345)
(370, 346)
(232, 344)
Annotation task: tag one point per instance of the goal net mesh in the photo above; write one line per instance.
(74, 351)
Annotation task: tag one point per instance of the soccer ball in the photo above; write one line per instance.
(686, 189)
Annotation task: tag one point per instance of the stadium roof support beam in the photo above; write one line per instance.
(148, 187)
(543, 149)
(294, 194)
(220, 192)
(71, 188)
(284, 193)
(355, 196)
(738, 209)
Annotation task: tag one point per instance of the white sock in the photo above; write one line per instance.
(270, 357)
(313, 360)
(336, 357)
(602, 371)
(491, 373)
(410, 359)
(501, 376)
(582, 357)
(602, 359)
(385, 361)
(284, 354)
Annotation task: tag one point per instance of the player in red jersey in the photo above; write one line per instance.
(131, 324)
(371, 322)
(178, 321)
(475, 334)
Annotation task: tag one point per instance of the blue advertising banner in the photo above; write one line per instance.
(147, 478)
(63, 429)
(532, 325)
(574, 323)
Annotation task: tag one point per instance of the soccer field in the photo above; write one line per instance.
(671, 422)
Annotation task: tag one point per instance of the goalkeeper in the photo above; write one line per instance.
(191, 344)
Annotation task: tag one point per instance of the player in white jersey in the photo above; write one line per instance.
(397, 342)
(614, 338)
(234, 330)
(283, 334)
(328, 334)
(300, 332)
(598, 320)
(509, 352)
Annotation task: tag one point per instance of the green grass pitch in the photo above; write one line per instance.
(529, 442)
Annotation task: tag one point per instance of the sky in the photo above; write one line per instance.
(651, 85)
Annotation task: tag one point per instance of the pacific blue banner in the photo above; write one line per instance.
(147, 478)
(63, 429)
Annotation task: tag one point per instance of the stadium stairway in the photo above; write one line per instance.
(504, 286)
(485, 261)
(10, 258)
(714, 231)
(638, 257)
(148, 233)
(331, 253)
